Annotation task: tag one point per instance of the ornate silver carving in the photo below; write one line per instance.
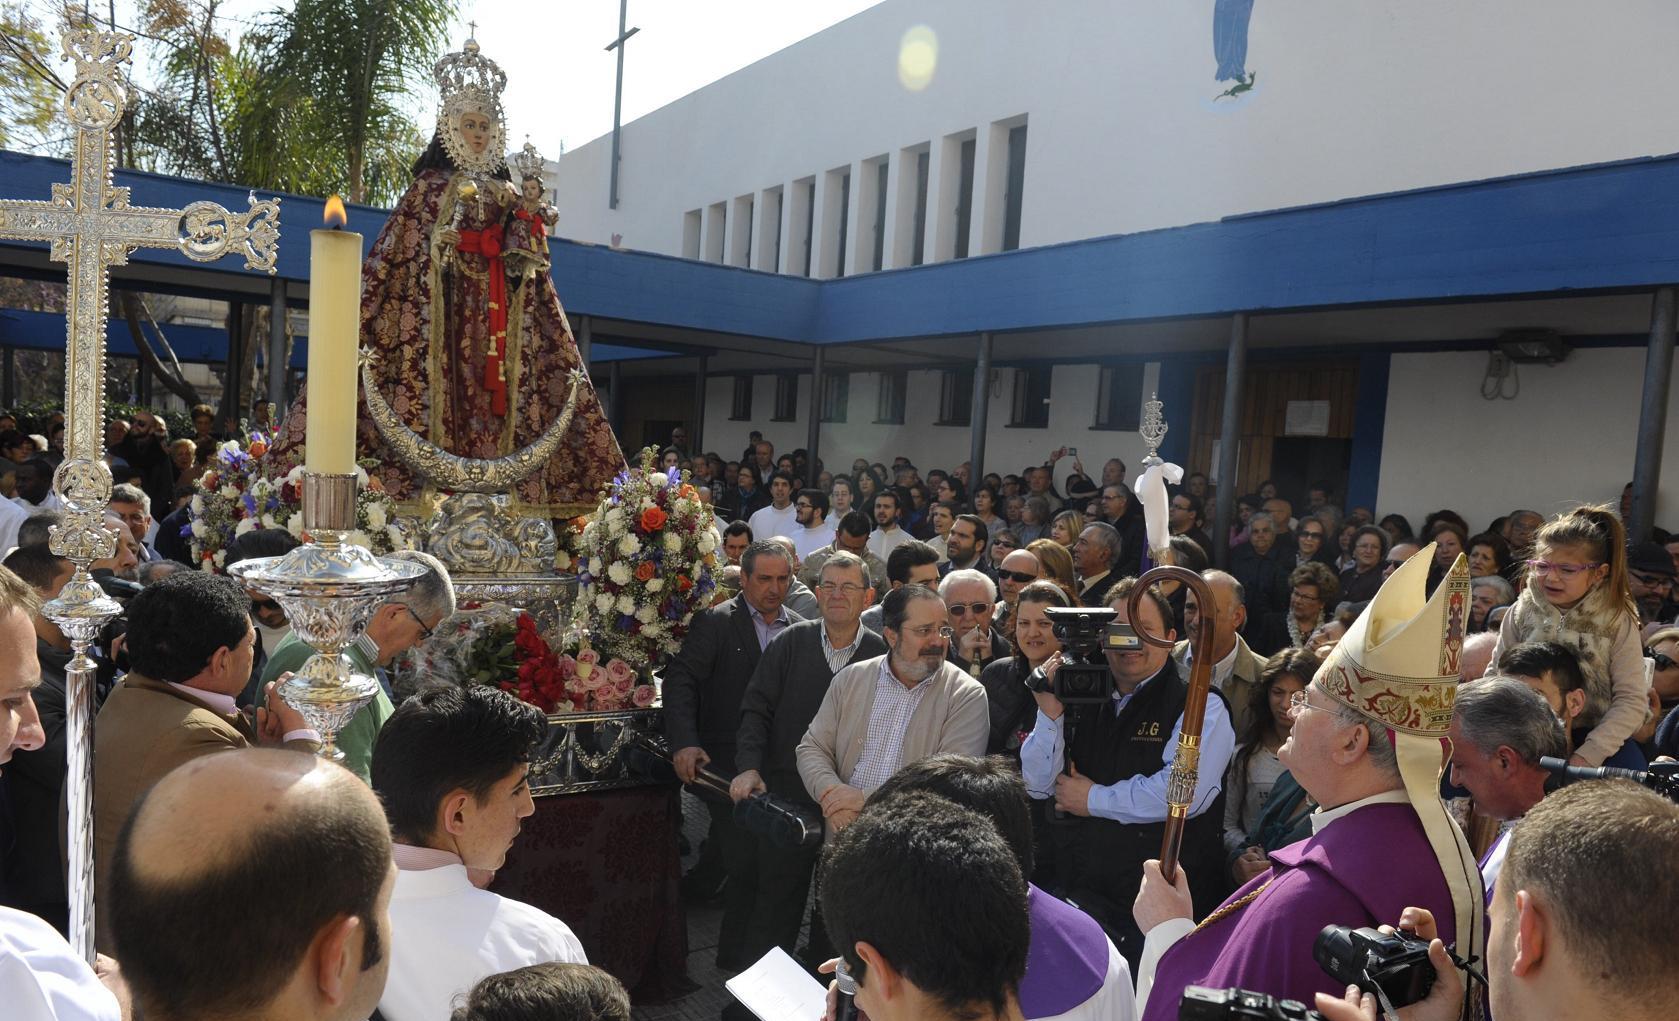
(527, 162)
(328, 589)
(478, 533)
(465, 474)
(583, 751)
(1153, 430)
(91, 226)
(547, 598)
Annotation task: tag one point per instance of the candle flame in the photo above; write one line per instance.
(334, 215)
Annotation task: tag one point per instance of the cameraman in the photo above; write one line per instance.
(1114, 786)
(1587, 888)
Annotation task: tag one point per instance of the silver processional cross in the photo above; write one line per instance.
(91, 226)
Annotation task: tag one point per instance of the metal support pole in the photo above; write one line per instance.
(978, 413)
(813, 436)
(277, 348)
(585, 334)
(143, 384)
(1229, 431)
(696, 435)
(614, 394)
(233, 407)
(1652, 417)
(8, 377)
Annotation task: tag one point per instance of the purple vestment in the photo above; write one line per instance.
(1362, 870)
(1067, 961)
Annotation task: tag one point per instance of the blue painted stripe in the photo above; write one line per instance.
(1370, 405)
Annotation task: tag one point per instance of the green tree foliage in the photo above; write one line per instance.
(29, 87)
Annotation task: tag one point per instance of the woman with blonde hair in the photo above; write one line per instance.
(1058, 566)
(1066, 526)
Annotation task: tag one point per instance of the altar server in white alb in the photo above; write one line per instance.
(450, 766)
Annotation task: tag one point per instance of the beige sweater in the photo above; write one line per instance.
(953, 717)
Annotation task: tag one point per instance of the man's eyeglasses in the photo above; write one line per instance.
(963, 609)
(425, 632)
(927, 631)
(1653, 580)
(1022, 577)
(849, 589)
(1661, 659)
(1314, 536)
(1544, 567)
(803, 505)
(1298, 701)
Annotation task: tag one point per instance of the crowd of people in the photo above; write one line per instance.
(881, 660)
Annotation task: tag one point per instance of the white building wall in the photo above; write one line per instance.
(1124, 132)
(1072, 410)
(1557, 443)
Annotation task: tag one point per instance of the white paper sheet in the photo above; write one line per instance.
(778, 988)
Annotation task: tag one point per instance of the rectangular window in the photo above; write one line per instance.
(923, 165)
(1030, 409)
(1013, 196)
(780, 211)
(810, 221)
(965, 199)
(740, 408)
(1119, 397)
(691, 234)
(786, 397)
(889, 407)
(836, 396)
(956, 396)
(844, 224)
(879, 260)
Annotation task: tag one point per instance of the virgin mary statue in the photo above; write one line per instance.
(472, 352)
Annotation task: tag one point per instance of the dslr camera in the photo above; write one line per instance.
(1087, 634)
(1397, 964)
(1200, 1003)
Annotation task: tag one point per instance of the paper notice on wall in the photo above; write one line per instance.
(778, 989)
(1306, 418)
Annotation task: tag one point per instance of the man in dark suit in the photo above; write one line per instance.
(965, 547)
(768, 885)
(1094, 554)
(703, 686)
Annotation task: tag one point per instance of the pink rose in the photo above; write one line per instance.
(643, 696)
(608, 699)
(595, 681)
(589, 656)
(567, 666)
(620, 674)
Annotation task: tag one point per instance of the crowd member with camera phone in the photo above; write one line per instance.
(1366, 745)
(1109, 711)
(1587, 885)
(768, 883)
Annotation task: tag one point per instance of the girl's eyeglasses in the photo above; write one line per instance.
(1544, 567)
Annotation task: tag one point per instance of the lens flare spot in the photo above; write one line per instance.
(918, 58)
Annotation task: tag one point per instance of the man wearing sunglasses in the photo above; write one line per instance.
(971, 599)
(1650, 579)
(396, 626)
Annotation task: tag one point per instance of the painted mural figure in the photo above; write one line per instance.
(470, 344)
(1230, 45)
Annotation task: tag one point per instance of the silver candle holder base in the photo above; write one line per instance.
(328, 588)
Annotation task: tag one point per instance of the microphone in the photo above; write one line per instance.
(846, 1003)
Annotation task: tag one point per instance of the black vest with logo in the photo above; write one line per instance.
(1099, 862)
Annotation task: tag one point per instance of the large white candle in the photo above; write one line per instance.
(334, 335)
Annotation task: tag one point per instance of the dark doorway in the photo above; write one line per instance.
(1300, 462)
(655, 432)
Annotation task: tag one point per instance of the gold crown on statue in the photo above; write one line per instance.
(470, 81)
(1398, 662)
(527, 162)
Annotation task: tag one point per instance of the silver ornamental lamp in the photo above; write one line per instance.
(329, 587)
(1153, 432)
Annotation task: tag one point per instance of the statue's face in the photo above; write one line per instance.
(531, 188)
(476, 130)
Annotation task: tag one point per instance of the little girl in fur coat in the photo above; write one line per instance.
(1577, 595)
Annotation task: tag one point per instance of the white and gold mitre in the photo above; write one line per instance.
(1398, 662)
(470, 81)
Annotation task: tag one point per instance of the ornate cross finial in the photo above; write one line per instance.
(1153, 429)
(472, 30)
(90, 225)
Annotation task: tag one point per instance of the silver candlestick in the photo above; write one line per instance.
(328, 588)
(1153, 432)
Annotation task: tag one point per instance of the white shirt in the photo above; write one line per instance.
(809, 540)
(1159, 939)
(1137, 799)
(11, 517)
(1221, 670)
(1112, 1002)
(767, 523)
(882, 541)
(446, 935)
(42, 979)
(1495, 858)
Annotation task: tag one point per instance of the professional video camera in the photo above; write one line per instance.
(782, 823)
(1202, 1004)
(1395, 966)
(1086, 634)
(1661, 777)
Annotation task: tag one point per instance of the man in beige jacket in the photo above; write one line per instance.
(882, 714)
